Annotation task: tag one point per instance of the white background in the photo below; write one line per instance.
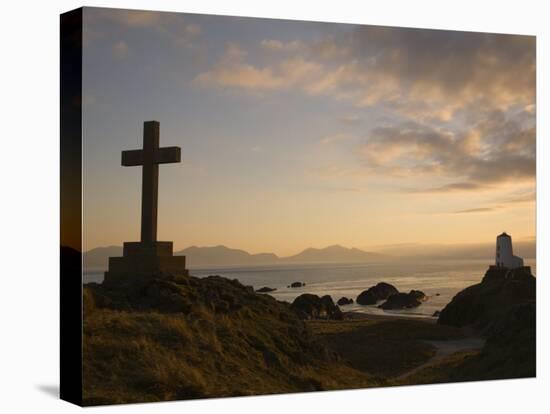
(29, 157)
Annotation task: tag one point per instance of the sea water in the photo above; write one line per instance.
(440, 280)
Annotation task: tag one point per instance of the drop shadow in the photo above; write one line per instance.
(50, 389)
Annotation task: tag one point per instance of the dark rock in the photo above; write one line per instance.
(510, 350)
(419, 295)
(266, 289)
(519, 320)
(495, 273)
(376, 293)
(436, 314)
(404, 300)
(309, 306)
(482, 304)
(297, 284)
(345, 301)
(502, 308)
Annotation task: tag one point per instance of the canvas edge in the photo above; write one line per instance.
(71, 206)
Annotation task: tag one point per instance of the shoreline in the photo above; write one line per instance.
(359, 316)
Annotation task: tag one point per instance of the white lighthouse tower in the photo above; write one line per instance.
(505, 255)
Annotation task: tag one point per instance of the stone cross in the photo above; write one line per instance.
(149, 158)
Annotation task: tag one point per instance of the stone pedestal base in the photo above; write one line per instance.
(143, 260)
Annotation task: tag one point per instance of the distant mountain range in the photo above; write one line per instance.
(224, 256)
(98, 258)
(332, 254)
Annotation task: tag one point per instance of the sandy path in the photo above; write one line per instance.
(446, 348)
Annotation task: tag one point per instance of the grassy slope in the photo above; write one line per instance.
(384, 348)
(196, 338)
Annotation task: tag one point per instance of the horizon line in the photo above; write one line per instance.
(372, 249)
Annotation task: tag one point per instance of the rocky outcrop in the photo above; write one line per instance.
(482, 304)
(308, 306)
(502, 308)
(418, 295)
(296, 285)
(404, 300)
(495, 273)
(266, 289)
(376, 293)
(196, 331)
(344, 301)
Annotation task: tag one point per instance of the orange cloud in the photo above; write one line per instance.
(420, 74)
(498, 150)
(277, 45)
(135, 18)
(233, 71)
(173, 25)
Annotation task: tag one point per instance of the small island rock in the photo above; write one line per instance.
(419, 295)
(266, 289)
(404, 300)
(297, 284)
(376, 293)
(344, 301)
(309, 306)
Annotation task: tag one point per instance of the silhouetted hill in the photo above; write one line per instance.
(481, 305)
(99, 257)
(167, 338)
(70, 257)
(503, 309)
(332, 254)
(224, 256)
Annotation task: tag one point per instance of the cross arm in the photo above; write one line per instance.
(168, 155)
(132, 158)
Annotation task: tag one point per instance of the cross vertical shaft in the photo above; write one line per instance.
(150, 182)
(149, 158)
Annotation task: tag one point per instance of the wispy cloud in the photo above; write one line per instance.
(329, 139)
(174, 26)
(478, 210)
(233, 71)
(350, 119)
(461, 104)
(488, 154)
(504, 203)
(342, 189)
(135, 18)
(448, 188)
(423, 74)
(526, 198)
(277, 45)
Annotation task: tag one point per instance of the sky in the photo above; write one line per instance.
(306, 134)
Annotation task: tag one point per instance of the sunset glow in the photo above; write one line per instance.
(305, 134)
